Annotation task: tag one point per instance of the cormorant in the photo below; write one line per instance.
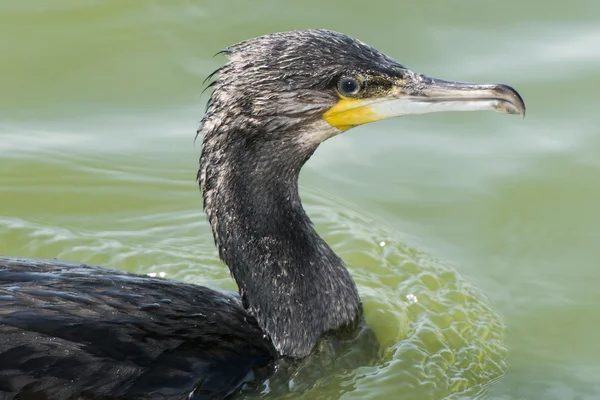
(74, 331)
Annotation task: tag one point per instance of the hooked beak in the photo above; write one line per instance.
(421, 94)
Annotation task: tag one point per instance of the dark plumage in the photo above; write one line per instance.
(257, 135)
(71, 331)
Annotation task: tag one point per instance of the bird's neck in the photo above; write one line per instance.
(290, 280)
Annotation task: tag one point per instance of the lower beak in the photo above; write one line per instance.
(420, 94)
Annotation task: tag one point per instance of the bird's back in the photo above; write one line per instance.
(73, 331)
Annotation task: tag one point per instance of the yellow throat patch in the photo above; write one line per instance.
(348, 113)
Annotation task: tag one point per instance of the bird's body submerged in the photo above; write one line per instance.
(69, 331)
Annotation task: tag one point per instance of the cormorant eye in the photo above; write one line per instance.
(348, 87)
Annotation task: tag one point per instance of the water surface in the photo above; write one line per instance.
(473, 237)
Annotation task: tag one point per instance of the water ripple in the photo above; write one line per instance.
(439, 335)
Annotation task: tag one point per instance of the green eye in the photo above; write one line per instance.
(348, 87)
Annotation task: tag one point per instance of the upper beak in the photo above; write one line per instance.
(420, 94)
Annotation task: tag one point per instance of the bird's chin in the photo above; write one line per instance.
(316, 133)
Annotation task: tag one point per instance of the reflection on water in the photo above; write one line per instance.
(486, 285)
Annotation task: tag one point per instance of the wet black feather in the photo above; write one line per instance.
(120, 335)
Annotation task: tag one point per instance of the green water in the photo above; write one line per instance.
(490, 222)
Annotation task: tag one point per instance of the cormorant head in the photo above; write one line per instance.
(273, 103)
(310, 85)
